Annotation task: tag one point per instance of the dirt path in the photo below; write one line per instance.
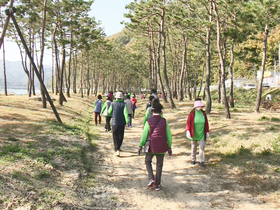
(123, 180)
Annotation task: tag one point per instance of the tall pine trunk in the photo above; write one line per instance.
(222, 62)
(4, 69)
(171, 103)
(231, 99)
(208, 63)
(259, 96)
(41, 70)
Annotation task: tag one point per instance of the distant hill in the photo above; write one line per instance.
(16, 77)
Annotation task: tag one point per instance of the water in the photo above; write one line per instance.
(17, 91)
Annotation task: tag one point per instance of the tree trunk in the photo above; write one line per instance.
(81, 76)
(202, 79)
(259, 96)
(231, 99)
(4, 69)
(222, 62)
(61, 95)
(41, 70)
(183, 69)
(172, 105)
(52, 69)
(68, 86)
(219, 84)
(208, 63)
(158, 69)
(88, 83)
(75, 72)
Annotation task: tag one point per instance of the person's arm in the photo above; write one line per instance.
(168, 135)
(144, 135)
(110, 110)
(146, 116)
(126, 115)
(103, 107)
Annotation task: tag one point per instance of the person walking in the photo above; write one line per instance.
(157, 134)
(104, 111)
(97, 109)
(197, 130)
(120, 118)
(149, 110)
(133, 101)
(129, 107)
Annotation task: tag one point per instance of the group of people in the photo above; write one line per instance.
(156, 136)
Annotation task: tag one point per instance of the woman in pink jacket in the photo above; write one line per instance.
(197, 130)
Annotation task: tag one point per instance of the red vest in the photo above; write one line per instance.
(158, 138)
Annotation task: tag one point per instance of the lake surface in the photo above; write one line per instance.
(18, 91)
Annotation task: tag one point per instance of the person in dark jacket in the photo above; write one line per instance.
(120, 118)
(158, 131)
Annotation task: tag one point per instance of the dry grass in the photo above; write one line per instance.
(40, 158)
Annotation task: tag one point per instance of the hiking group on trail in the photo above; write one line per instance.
(156, 136)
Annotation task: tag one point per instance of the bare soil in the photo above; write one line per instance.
(231, 180)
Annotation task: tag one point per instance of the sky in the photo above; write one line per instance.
(109, 12)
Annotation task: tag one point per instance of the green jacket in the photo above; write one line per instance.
(146, 133)
(104, 107)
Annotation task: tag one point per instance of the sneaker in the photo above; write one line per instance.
(151, 182)
(193, 162)
(158, 187)
(117, 153)
(202, 164)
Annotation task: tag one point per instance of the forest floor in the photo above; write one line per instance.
(44, 165)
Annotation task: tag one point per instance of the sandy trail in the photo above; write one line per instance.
(123, 180)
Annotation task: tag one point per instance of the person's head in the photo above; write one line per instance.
(133, 96)
(108, 98)
(198, 105)
(153, 90)
(155, 100)
(157, 107)
(151, 98)
(99, 97)
(128, 96)
(119, 95)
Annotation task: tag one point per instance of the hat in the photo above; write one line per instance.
(198, 103)
(108, 94)
(119, 95)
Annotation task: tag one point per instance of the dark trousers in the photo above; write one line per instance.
(133, 113)
(96, 115)
(107, 125)
(130, 119)
(118, 133)
(148, 162)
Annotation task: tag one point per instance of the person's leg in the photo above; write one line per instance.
(194, 148)
(133, 112)
(130, 119)
(95, 117)
(99, 117)
(115, 137)
(108, 119)
(120, 136)
(106, 127)
(201, 151)
(159, 168)
(148, 162)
